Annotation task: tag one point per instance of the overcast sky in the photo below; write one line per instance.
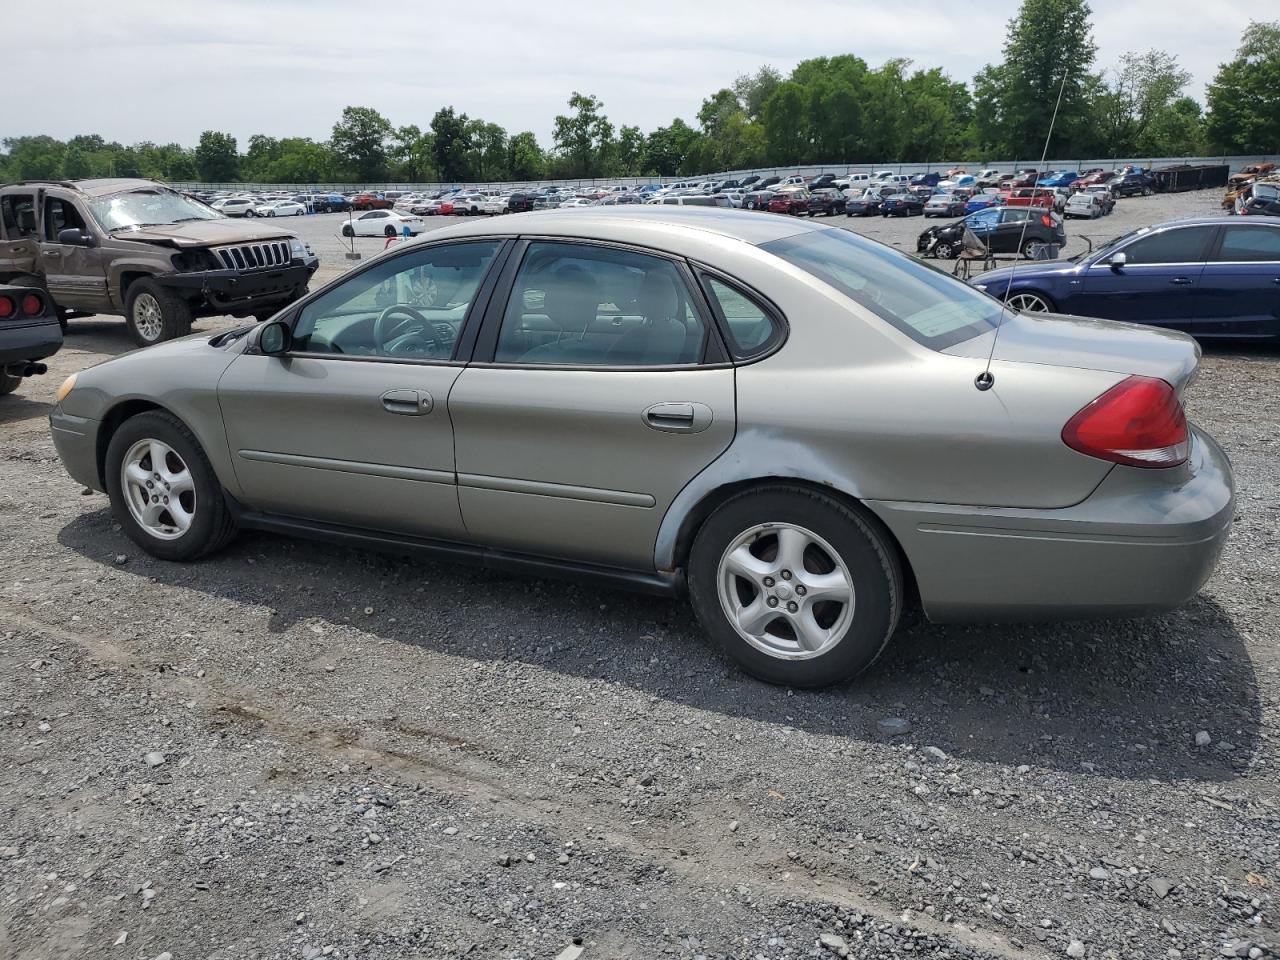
(164, 71)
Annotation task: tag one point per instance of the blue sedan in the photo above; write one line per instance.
(1062, 178)
(1211, 277)
(981, 201)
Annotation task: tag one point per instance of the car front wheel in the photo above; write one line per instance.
(153, 313)
(798, 588)
(164, 493)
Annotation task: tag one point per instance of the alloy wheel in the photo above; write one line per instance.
(1028, 303)
(785, 591)
(148, 319)
(158, 489)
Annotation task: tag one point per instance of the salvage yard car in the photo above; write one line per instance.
(783, 418)
(1018, 230)
(29, 332)
(1210, 277)
(382, 223)
(138, 249)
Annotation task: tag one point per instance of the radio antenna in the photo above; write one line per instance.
(986, 379)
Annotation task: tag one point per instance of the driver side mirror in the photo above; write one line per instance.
(1118, 261)
(275, 338)
(75, 237)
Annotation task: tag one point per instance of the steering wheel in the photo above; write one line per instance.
(385, 330)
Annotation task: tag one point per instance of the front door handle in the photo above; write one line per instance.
(52, 253)
(678, 417)
(407, 403)
(1181, 281)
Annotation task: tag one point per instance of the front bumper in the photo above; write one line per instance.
(230, 290)
(30, 341)
(1143, 541)
(76, 440)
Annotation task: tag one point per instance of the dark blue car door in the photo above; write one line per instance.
(1239, 294)
(1156, 284)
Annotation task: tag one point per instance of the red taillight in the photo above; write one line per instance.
(1046, 220)
(32, 305)
(1139, 422)
(6, 308)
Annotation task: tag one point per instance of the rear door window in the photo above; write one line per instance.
(1252, 244)
(18, 213)
(581, 305)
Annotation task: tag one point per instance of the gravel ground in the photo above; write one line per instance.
(292, 750)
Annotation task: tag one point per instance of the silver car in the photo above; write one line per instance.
(794, 424)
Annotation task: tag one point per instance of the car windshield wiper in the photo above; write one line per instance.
(133, 226)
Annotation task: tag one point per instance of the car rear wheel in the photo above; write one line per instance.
(1026, 301)
(153, 313)
(164, 493)
(348, 232)
(389, 231)
(797, 587)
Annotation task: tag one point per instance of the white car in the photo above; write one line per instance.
(382, 223)
(900, 180)
(1083, 205)
(581, 202)
(279, 208)
(474, 204)
(235, 206)
(854, 181)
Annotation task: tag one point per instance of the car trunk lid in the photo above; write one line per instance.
(1111, 346)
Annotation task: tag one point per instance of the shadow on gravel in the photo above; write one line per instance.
(1125, 696)
(15, 408)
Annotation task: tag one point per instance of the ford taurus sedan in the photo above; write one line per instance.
(797, 426)
(1212, 277)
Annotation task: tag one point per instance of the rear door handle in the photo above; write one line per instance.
(52, 253)
(1181, 281)
(678, 417)
(407, 403)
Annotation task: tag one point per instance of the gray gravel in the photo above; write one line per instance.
(297, 751)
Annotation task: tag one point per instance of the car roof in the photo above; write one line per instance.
(100, 187)
(636, 222)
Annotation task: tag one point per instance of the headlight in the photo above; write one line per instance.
(67, 386)
(298, 248)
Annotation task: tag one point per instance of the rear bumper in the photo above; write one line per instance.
(33, 341)
(1144, 541)
(76, 440)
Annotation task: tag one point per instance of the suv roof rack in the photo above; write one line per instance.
(57, 183)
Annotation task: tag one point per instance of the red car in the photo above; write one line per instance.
(1032, 197)
(1090, 177)
(796, 201)
(371, 201)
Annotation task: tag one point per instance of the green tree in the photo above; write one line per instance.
(628, 158)
(753, 89)
(487, 158)
(1244, 97)
(300, 160)
(360, 140)
(34, 158)
(525, 159)
(217, 157)
(583, 136)
(667, 148)
(1145, 85)
(451, 144)
(1049, 48)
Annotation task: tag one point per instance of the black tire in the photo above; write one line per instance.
(862, 545)
(347, 231)
(213, 525)
(945, 250)
(389, 231)
(1146, 191)
(175, 313)
(1029, 247)
(8, 383)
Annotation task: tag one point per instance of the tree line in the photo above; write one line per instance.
(827, 110)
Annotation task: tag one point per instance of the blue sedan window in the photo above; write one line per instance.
(1250, 244)
(1179, 245)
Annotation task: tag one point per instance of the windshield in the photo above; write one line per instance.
(140, 208)
(932, 307)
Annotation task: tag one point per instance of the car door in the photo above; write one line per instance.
(1006, 235)
(599, 388)
(371, 224)
(351, 425)
(75, 274)
(1156, 284)
(1239, 290)
(19, 246)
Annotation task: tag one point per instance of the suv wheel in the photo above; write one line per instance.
(8, 382)
(163, 491)
(797, 587)
(154, 314)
